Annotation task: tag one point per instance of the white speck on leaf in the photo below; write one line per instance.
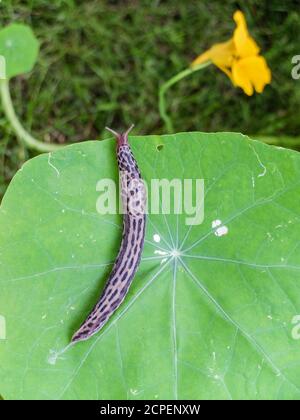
(216, 223)
(222, 231)
(156, 238)
(135, 392)
(52, 357)
(158, 252)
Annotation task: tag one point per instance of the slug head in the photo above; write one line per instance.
(122, 138)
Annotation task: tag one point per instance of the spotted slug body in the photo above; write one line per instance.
(127, 262)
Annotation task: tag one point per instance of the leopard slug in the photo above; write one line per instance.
(133, 196)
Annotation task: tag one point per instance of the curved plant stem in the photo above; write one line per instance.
(20, 131)
(166, 86)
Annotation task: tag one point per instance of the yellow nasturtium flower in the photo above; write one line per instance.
(239, 58)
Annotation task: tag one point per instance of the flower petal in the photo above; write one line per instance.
(244, 44)
(251, 73)
(241, 79)
(220, 54)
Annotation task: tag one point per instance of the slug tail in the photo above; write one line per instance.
(78, 336)
(83, 334)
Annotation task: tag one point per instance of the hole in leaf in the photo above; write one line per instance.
(159, 147)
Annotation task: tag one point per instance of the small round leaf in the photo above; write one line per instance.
(19, 47)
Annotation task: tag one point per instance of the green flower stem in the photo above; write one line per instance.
(20, 131)
(166, 86)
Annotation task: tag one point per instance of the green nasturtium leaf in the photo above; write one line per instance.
(211, 312)
(19, 47)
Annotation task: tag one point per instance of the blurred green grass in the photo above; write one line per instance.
(101, 63)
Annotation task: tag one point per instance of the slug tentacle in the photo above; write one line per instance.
(127, 262)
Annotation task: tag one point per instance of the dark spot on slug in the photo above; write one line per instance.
(132, 240)
(124, 277)
(115, 304)
(102, 319)
(124, 290)
(130, 264)
(102, 308)
(140, 221)
(112, 295)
